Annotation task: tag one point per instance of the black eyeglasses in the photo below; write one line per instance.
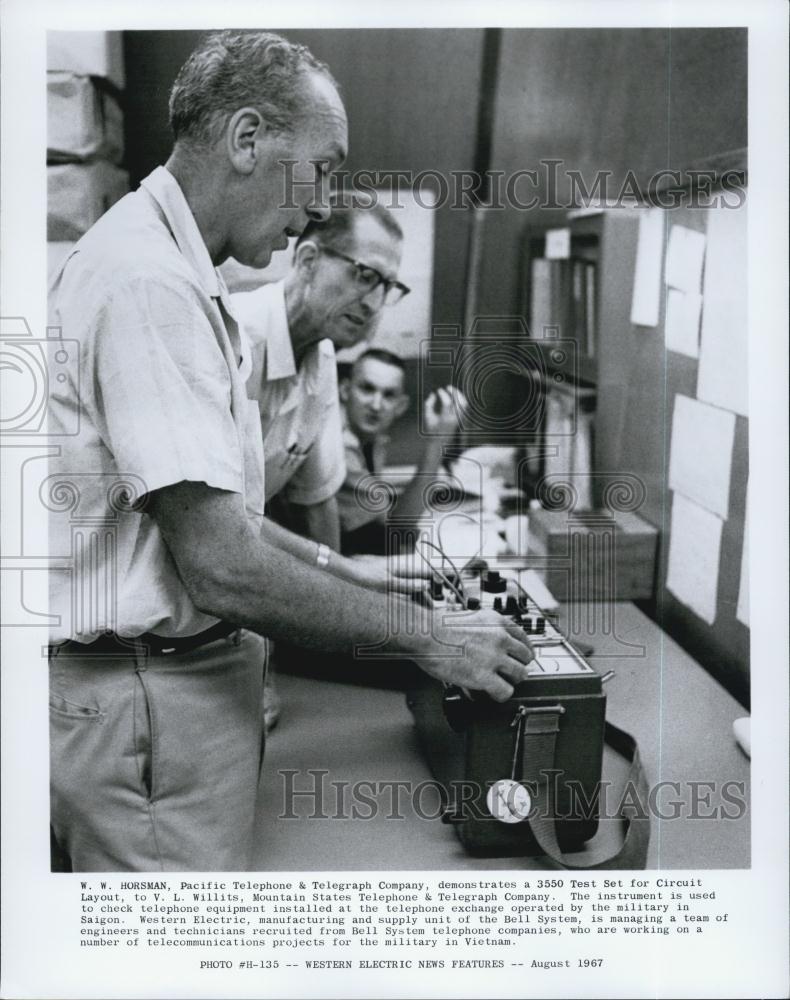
(369, 279)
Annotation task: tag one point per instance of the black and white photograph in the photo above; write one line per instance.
(394, 500)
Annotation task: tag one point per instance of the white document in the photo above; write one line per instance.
(558, 244)
(742, 608)
(681, 327)
(723, 377)
(685, 256)
(646, 298)
(700, 459)
(694, 549)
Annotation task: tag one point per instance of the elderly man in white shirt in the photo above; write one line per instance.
(156, 730)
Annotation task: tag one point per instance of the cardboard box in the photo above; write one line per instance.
(88, 53)
(80, 193)
(593, 555)
(83, 120)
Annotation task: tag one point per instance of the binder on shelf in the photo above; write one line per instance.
(590, 308)
(563, 298)
(540, 313)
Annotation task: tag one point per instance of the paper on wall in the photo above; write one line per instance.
(694, 550)
(700, 457)
(742, 609)
(558, 244)
(646, 296)
(685, 255)
(723, 364)
(681, 328)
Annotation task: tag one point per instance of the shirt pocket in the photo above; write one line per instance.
(293, 457)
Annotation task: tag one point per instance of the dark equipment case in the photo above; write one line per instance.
(523, 777)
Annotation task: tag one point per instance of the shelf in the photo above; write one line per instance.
(562, 295)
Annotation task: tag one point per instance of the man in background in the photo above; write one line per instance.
(373, 398)
(344, 271)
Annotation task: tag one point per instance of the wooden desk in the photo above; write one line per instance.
(680, 716)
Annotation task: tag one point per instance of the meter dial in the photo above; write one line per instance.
(508, 801)
(550, 664)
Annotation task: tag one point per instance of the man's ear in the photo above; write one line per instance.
(343, 389)
(244, 133)
(306, 257)
(402, 405)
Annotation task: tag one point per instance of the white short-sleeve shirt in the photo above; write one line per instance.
(158, 397)
(299, 407)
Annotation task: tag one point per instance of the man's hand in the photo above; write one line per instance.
(232, 573)
(496, 653)
(393, 574)
(443, 410)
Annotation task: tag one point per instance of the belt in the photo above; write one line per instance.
(111, 644)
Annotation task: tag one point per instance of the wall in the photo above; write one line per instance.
(638, 100)
(639, 382)
(641, 101)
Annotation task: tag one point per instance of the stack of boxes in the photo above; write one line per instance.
(85, 80)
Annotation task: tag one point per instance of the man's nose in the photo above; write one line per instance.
(318, 210)
(376, 401)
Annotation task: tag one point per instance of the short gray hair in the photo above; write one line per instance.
(234, 69)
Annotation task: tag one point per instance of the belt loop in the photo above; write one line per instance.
(236, 637)
(141, 654)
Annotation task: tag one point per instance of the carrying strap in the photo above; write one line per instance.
(538, 749)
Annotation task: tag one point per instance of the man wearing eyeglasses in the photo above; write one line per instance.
(343, 273)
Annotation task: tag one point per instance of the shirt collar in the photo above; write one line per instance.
(167, 193)
(280, 361)
(351, 439)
